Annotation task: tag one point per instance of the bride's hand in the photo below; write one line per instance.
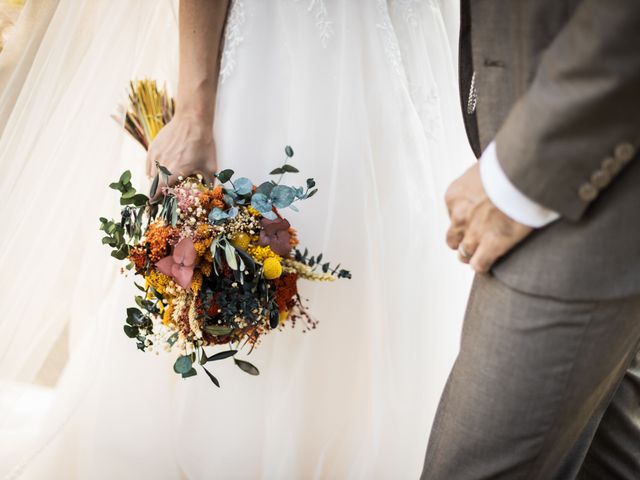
(185, 146)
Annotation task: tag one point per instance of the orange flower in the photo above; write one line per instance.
(286, 290)
(158, 237)
(213, 198)
(138, 256)
(293, 239)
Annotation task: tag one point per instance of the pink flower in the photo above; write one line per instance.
(179, 265)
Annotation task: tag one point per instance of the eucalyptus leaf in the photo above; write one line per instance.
(140, 199)
(230, 255)
(274, 318)
(164, 170)
(243, 186)
(228, 199)
(190, 373)
(261, 202)
(125, 177)
(212, 378)
(247, 260)
(217, 215)
(174, 214)
(276, 171)
(222, 355)
(225, 175)
(269, 215)
(203, 357)
(290, 168)
(265, 188)
(134, 315)
(154, 186)
(246, 367)
(130, 331)
(233, 212)
(129, 193)
(218, 330)
(173, 339)
(121, 253)
(282, 196)
(183, 364)
(288, 151)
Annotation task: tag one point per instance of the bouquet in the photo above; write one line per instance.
(219, 264)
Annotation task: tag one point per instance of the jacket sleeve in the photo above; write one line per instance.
(578, 124)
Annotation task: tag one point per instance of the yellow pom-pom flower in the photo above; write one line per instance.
(241, 241)
(260, 254)
(272, 268)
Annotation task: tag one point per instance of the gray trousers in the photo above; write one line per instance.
(541, 389)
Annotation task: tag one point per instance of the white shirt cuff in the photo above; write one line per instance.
(507, 197)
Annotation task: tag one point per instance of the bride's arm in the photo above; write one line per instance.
(186, 145)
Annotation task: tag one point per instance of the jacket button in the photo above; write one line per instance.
(587, 192)
(625, 152)
(600, 178)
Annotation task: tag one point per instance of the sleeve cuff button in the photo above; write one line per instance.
(588, 192)
(625, 152)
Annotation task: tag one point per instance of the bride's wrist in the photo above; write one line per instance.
(198, 113)
(196, 101)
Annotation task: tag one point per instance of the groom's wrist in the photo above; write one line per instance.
(507, 198)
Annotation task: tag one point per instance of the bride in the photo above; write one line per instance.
(366, 94)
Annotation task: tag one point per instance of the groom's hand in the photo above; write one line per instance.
(479, 230)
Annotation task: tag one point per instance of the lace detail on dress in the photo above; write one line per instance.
(423, 91)
(232, 39)
(323, 24)
(427, 104)
(389, 40)
(408, 11)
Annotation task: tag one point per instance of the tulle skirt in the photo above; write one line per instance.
(365, 93)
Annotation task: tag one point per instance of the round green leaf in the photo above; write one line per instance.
(288, 151)
(183, 364)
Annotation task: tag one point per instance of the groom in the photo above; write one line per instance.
(547, 381)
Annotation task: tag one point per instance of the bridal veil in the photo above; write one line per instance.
(366, 94)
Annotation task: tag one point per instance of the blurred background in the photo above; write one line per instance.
(9, 10)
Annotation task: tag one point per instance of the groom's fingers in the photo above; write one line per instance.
(454, 237)
(468, 247)
(488, 252)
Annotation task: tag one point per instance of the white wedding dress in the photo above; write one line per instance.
(366, 94)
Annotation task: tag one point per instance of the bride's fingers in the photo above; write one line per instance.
(207, 177)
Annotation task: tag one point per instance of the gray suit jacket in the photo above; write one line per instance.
(557, 84)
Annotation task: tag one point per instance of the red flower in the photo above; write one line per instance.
(275, 234)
